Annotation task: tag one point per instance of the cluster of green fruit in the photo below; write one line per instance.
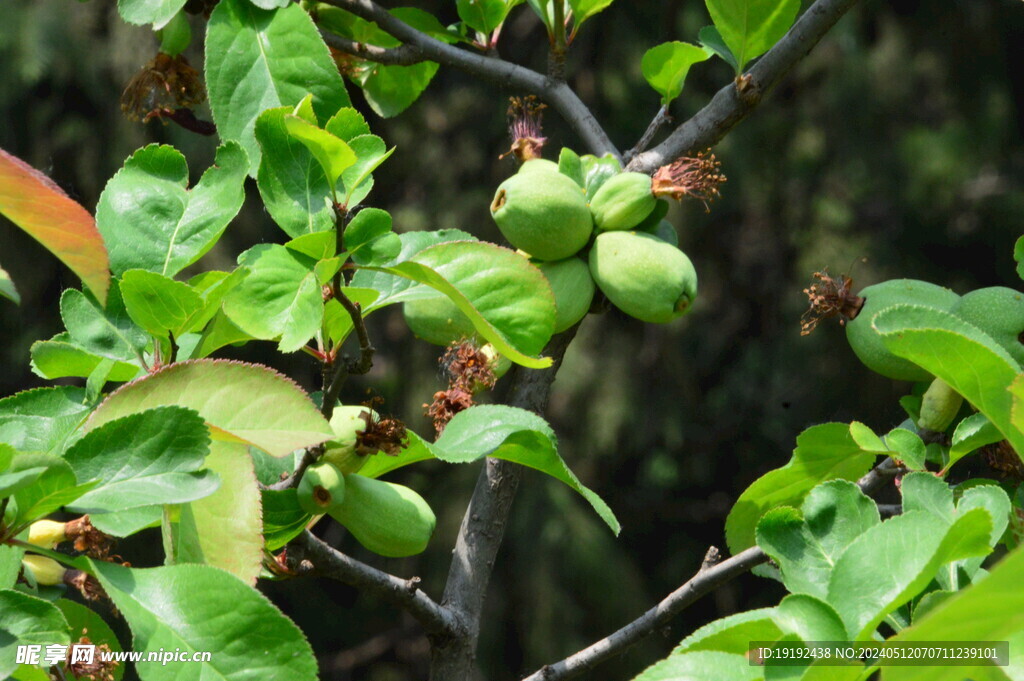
(389, 519)
(633, 256)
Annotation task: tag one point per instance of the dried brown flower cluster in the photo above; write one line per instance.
(88, 539)
(96, 670)
(468, 370)
(525, 123)
(829, 298)
(382, 434)
(163, 86)
(697, 177)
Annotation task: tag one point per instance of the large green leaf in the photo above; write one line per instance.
(963, 356)
(55, 487)
(23, 469)
(159, 304)
(823, 452)
(45, 212)
(10, 564)
(61, 357)
(280, 299)
(333, 154)
(751, 27)
(500, 432)
(241, 402)
(283, 519)
(156, 12)
(734, 633)
(198, 608)
(390, 90)
(106, 332)
(30, 621)
(972, 433)
(41, 419)
(257, 60)
(584, 9)
(482, 15)
(152, 457)
(665, 67)
(703, 666)
(151, 220)
(711, 39)
(369, 239)
(225, 529)
(394, 289)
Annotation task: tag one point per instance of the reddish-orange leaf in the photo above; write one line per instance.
(35, 203)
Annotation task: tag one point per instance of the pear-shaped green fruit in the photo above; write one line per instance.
(437, 320)
(643, 276)
(538, 164)
(321, 488)
(176, 35)
(999, 312)
(867, 343)
(543, 213)
(347, 423)
(573, 288)
(386, 518)
(939, 406)
(623, 202)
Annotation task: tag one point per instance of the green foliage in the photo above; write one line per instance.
(665, 67)
(751, 27)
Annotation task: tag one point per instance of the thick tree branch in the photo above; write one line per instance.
(707, 579)
(311, 556)
(729, 107)
(558, 94)
(406, 55)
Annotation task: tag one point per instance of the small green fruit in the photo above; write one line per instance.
(939, 406)
(867, 343)
(322, 488)
(999, 312)
(176, 35)
(543, 213)
(46, 533)
(46, 571)
(623, 202)
(437, 320)
(386, 518)
(347, 423)
(539, 164)
(573, 288)
(643, 276)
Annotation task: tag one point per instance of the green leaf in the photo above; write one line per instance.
(151, 220)
(711, 39)
(283, 519)
(391, 89)
(159, 304)
(213, 287)
(106, 332)
(333, 154)
(990, 610)
(337, 320)
(156, 12)
(219, 332)
(225, 528)
(584, 9)
(507, 300)
(973, 433)
(55, 487)
(59, 357)
(127, 523)
(703, 666)
(823, 452)
(597, 170)
(369, 239)
(570, 165)
(393, 289)
(280, 299)
(241, 402)
(202, 608)
(292, 183)
(810, 618)
(891, 563)
(500, 432)
(81, 619)
(152, 457)
(41, 419)
(318, 245)
(482, 15)
(357, 181)
(24, 469)
(751, 27)
(1018, 255)
(257, 60)
(734, 633)
(665, 67)
(807, 545)
(270, 4)
(7, 289)
(10, 564)
(960, 354)
(31, 621)
(908, 447)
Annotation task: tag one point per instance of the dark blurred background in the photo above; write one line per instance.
(895, 148)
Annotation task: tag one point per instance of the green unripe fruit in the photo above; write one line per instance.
(573, 288)
(321, 488)
(386, 518)
(867, 343)
(999, 312)
(623, 202)
(176, 35)
(46, 533)
(543, 213)
(539, 164)
(46, 571)
(500, 364)
(437, 320)
(643, 276)
(939, 407)
(347, 423)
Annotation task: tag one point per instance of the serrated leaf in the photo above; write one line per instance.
(55, 487)
(333, 155)
(368, 226)
(357, 181)
(711, 39)
(257, 60)
(159, 304)
(219, 332)
(33, 202)
(31, 620)
(751, 27)
(908, 447)
(283, 519)
(960, 354)
(202, 608)
(156, 12)
(60, 357)
(823, 452)
(703, 666)
(247, 402)
(10, 564)
(972, 433)
(213, 287)
(584, 9)
(7, 289)
(665, 67)
(127, 523)
(500, 432)
(24, 469)
(280, 299)
(394, 289)
(106, 332)
(151, 220)
(597, 170)
(41, 419)
(733, 634)
(391, 89)
(225, 529)
(482, 15)
(152, 457)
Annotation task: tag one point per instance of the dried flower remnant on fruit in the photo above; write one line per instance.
(163, 86)
(468, 370)
(446, 404)
(88, 539)
(829, 298)
(525, 122)
(697, 177)
(382, 434)
(86, 584)
(99, 668)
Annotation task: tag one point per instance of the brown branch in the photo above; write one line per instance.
(406, 55)
(505, 74)
(729, 106)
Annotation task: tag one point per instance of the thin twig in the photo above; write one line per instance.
(660, 119)
(558, 94)
(729, 107)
